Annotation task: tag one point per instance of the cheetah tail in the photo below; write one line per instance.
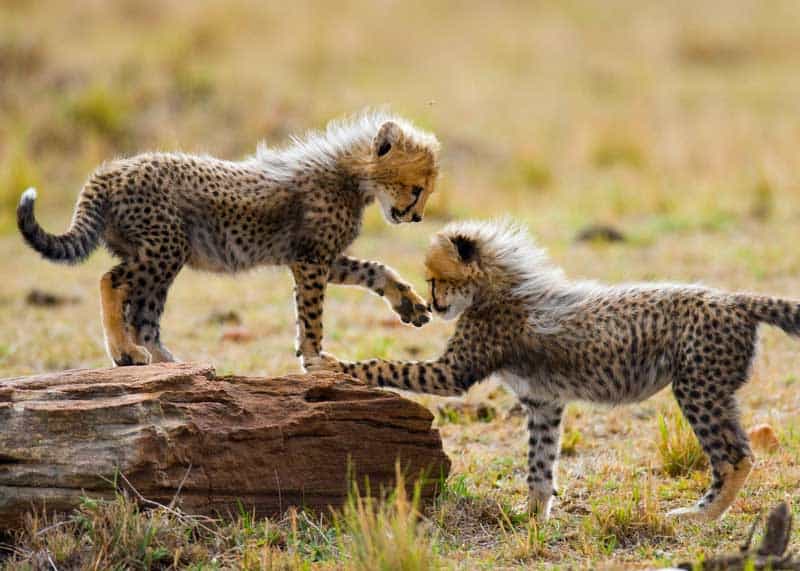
(77, 243)
(783, 313)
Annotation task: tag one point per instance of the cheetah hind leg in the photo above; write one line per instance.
(721, 495)
(149, 331)
(725, 443)
(147, 304)
(119, 341)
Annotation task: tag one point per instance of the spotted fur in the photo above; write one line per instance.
(300, 206)
(553, 340)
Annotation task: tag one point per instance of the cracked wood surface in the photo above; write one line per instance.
(267, 442)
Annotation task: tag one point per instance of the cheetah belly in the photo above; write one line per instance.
(649, 381)
(230, 252)
(614, 385)
(207, 251)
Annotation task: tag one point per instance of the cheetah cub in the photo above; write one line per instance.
(299, 206)
(553, 340)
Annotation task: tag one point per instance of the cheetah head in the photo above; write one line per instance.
(473, 262)
(404, 167)
(454, 275)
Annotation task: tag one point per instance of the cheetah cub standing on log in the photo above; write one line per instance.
(552, 341)
(300, 206)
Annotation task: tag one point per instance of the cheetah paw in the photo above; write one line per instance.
(321, 362)
(133, 355)
(539, 504)
(412, 308)
(161, 355)
(693, 513)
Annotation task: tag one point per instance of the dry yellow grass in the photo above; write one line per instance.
(678, 447)
(676, 122)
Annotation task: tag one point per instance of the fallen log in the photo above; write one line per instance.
(262, 443)
(771, 554)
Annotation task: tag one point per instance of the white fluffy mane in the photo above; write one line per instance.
(524, 271)
(508, 253)
(512, 258)
(347, 137)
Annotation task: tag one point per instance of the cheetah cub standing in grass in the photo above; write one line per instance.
(300, 206)
(553, 341)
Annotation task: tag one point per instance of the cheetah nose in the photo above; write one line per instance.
(416, 218)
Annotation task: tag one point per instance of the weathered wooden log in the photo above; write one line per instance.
(771, 554)
(268, 443)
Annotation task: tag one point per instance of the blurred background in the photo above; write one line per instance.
(665, 133)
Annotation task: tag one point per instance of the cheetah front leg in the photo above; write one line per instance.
(310, 281)
(544, 448)
(461, 365)
(433, 377)
(385, 282)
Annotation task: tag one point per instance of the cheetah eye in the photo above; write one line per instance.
(416, 191)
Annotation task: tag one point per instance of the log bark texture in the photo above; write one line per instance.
(268, 443)
(770, 555)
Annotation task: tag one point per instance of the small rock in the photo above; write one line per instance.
(763, 437)
(517, 410)
(390, 323)
(230, 317)
(485, 413)
(413, 350)
(464, 412)
(600, 233)
(46, 299)
(237, 334)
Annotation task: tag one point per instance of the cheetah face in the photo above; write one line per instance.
(404, 174)
(402, 203)
(450, 298)
(454, 274)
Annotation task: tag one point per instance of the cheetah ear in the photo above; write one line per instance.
(467, 249)
(388, 136)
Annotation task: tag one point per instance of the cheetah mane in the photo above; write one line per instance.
(502, 249)
(510, 265)
(348, 141)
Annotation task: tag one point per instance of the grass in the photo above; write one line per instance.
(17, 171)
(678, 447)
(618, 152)
(629, 517)
(369, 533)
(385, 535)
(108, 534)
(570, 441)
(101, 110)
(526, 541)
(675, 123)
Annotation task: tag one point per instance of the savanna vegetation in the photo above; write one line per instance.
(674, 124)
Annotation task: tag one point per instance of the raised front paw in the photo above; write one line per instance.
(322, 362)
(411, 307)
